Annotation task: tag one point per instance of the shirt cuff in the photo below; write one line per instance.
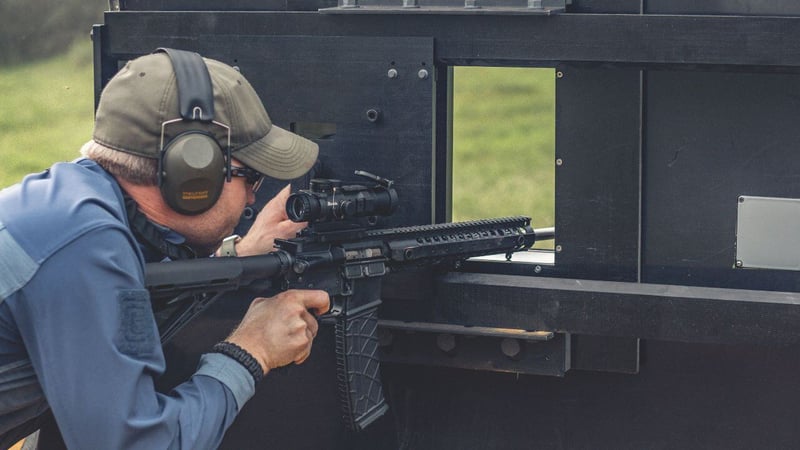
(231, 373)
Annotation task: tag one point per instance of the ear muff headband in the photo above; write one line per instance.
(192, 166)
(195, 92)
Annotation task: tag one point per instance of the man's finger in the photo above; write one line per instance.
(303, 357)
(317, 301)
(276, 204)
(312, 324)
(283, 195)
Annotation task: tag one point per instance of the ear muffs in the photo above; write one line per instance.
(193, 167)
(192, 173)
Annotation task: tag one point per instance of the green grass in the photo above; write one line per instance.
(504, 143)
(46, 112)
(503, 131)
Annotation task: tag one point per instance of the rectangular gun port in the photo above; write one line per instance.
(503, 158)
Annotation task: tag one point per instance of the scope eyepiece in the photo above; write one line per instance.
(300, 207)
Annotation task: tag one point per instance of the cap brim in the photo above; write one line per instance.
(279, 154)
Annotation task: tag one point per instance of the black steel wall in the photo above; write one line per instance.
(667, 112)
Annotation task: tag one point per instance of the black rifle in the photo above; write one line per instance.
(340, 254)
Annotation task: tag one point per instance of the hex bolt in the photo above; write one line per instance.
(558, 248)
(446, 342)
(559, 162)
(537, 269)
(511, 348)
(300, 266)
(249, 213)
(559, 74)
(739, 263)
(392, 73)
(373, 115)
(422, 74)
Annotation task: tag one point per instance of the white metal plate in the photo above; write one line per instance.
(768, 233)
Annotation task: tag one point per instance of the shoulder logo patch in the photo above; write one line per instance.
(137, 335)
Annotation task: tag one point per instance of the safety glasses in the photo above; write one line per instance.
(252, 177)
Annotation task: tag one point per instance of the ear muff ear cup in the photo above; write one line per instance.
(193, 169)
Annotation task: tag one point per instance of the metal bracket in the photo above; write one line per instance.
(493, 7)
(477, 348)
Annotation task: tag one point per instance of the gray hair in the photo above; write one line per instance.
(134, 169)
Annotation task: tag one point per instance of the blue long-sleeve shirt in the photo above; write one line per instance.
(74, 307)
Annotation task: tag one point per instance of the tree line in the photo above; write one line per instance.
(36, 29)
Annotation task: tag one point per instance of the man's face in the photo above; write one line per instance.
(205, 231)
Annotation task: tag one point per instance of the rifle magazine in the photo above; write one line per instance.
(358, 367)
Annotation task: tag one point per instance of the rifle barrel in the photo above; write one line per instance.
(544, 234)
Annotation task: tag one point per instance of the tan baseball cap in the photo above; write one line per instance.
(144, 94)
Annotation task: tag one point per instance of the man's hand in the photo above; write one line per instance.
(272, 222)
(278, 331)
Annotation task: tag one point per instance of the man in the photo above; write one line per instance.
(77, 332)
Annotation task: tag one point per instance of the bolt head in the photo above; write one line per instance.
(392, 73)
(446, 342)
(510, 347)
(373, 115)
